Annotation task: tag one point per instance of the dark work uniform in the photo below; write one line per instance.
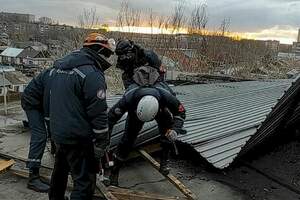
(171, 115)
(143, 57)
(35, 102)
(78, 114)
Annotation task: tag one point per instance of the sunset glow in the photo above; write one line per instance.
(284, 34)
(147, 30)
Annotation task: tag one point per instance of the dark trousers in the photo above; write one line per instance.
(80, 161)
(38, 138)
(132, 128)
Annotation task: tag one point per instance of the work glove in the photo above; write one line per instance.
(101, 145)
(171, 135)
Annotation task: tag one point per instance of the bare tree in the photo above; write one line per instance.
(87, 21)
(198, 19)
(128, 17)
(151, 20)
(178, 19)
(224, 27)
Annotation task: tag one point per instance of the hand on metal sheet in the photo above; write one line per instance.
(171, 135)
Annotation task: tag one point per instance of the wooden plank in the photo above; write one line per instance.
(16, 158)
(25, 174)
(125, 194)
(100, 186)
(180, 186)
(151, 148)
(5, 164)
(21, 173)
(104, 192)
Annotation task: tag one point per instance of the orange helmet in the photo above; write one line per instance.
(97, 38)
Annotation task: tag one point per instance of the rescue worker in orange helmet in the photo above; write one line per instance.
(78, 112)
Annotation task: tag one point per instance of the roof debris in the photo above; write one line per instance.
(225, 120)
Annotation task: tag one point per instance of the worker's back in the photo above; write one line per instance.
(75, 101)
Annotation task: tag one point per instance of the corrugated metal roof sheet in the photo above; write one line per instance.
(11, 52)
(222, 119)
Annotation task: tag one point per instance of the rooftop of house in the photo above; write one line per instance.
(11, 52)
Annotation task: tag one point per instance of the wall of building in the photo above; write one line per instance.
(16, 17)
(10, 60)
(38, 61)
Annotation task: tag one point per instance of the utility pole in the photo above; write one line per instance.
(4, 94)
(4, 90)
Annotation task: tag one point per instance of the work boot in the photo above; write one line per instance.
(114, 174)
(164, 169)
(114, 177)
(35, 183)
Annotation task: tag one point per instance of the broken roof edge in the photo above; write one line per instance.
(232, 152)
(224, 151)
(276, 118)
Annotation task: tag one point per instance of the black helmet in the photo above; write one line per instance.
(124, 46)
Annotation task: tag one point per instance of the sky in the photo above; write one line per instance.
(260, 19)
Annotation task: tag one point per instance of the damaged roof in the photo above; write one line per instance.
(11, 52)
(225, 120)
(221, 118)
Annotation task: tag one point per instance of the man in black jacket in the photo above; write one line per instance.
(132, 56)
(78, 113)
(146, 100)
(35, 102)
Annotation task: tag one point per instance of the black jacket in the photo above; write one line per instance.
(129, 102)
(78, 108)
(145, 57)
(36, 94)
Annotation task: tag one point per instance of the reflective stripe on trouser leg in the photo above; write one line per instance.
(38, 138)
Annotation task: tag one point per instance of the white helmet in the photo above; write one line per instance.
(147, 108)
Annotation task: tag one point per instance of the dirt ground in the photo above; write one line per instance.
(273, 175)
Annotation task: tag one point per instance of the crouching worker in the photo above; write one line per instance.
(35, 103)
(145, 101)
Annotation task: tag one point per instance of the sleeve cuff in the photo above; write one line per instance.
(99, 131)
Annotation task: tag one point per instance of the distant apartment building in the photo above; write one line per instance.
(45, 20)
(24, 27)
(16, 17)
(273, 45)
(296, 45)
(296, 48)
(285, 48)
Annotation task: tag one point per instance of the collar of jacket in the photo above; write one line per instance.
(100, 61)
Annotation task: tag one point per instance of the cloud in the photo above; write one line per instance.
(245, 16)
(284, 34)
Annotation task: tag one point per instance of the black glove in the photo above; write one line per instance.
(101, 144)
